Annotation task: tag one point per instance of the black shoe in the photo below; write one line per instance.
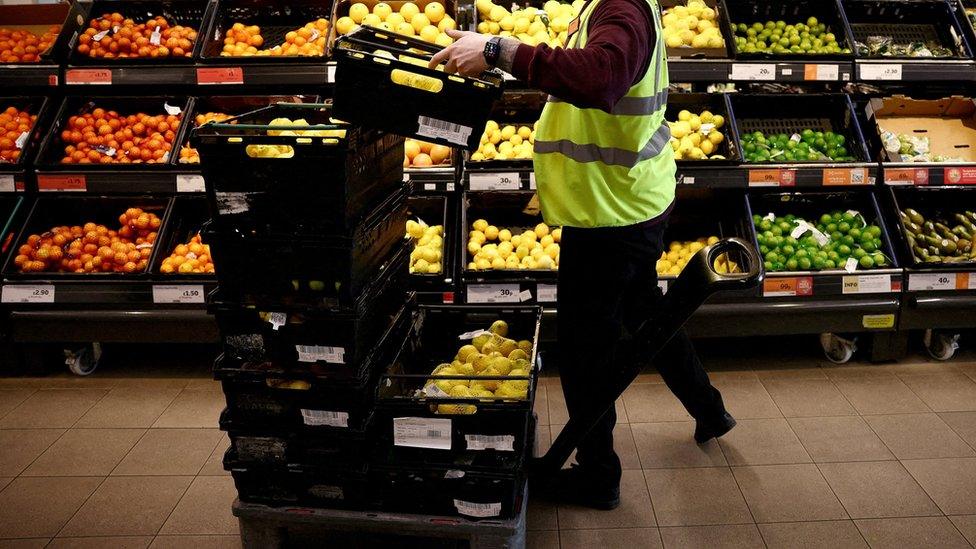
(707, 430)
(573, 486)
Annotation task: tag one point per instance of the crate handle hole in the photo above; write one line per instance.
(961, 146)
(261, 151)
(234, 140)
(920, 131)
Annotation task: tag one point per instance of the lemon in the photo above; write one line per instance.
(491, 232)
(372, 20)
(419, 21)
(480, 225)
(357, 12)
(383, 10)
(408, 10)
(405, 29)
(494, 27)
(483, 28)
(507, 132)
(434, 12)
(473, 247)
(673, 41)
(505, 235)
(443, 40)
(716, 137)
(497, 263)
(718, 120)
(497, 13)
(345, 25)
(446, 24)
(557, 234)
(525, 345)
(716, 42)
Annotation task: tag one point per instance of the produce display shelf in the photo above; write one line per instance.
(497, 176)
(730, 70)
(38, 77)
(119, 325)
(915, 70)
(41, 292)
(932, 174)
(799, 175)
(165, 181)
(218, 75)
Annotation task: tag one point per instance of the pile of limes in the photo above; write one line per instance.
(836, 238)
(806, 146)
(812, 37)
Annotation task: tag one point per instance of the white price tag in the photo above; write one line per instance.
(878, 71)
(753, 71)
(663, 284)
(442, 129)
(828, 72)
(546, 293)
(479, 510)
(851, 265)
(98, 36)
(493, 293)
(232, 203)
(433, 391)
(502, 443)
(525, 295)
(28, 294)
(931, 281)
(277, 320)
(867, 284)
(495, 182)
(473, 334)
(190, 183)
(21, 140)
(330, 74)
(324, 417)
(156, 37)
(171, 109)
(532, 181)
(430, 186)
(315, 353)
(422, 432)
(178, 294)
(7, 184)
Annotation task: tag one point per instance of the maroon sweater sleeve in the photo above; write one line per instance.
(618, 50)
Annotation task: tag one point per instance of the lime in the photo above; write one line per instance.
(804, 263)
(869, 246)
(844, 250)
(812, 22)
(858, 253)
(874, 230)
(879, 260)
(791, 264)
(866, 261)
(768, 265)
(829, 264)
(844, 226)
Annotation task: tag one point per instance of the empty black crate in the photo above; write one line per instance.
(296, 485)
(905, 23)
(327, 272)
(383, 91)
(327, 182)
(828, 12)
(264, 446)
(276, 19)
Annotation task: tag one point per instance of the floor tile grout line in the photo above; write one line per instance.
(650, 498)
(141, 437)
(743, 496)
(173, 510)
(28, 466)
(32, 391)
(927, 493)
(73, 515)
(951, 428)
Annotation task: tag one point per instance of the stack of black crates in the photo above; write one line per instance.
(307, 238)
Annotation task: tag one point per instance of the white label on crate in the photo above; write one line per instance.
(859, 217)
(821, 238)
(495, 182)
(753, 71)
(326, 491)
(172, 110)
(315, 353)
(801, 228)
(450, 187)
(433, 391)
(190, 183)
(7, 184)
(98, 37)
(473, 334)
(330, 74)
(442, 129)
(546, 293)
(28, 294)
(532, 180)
(315, 35)
(453, 473)
(502, 443)
(422, 432)
(525, 295)
(156, 37)
(867, 284)
(178, 294)
(493, 293)
(929, 281)
(232, 203)
(851, 265)
(787, 72)
(880, 71)
(107, 151)
(828, 72)
(663, 284)
(277, 320)
(21, 140)
(325, 417)
(479, 510)
(430, 186)
(687, 180)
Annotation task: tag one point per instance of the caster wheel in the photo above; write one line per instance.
(837, 349)
(940, 346)
(84, 361)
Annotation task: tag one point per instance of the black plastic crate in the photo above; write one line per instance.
(505, 114)
(36, 106)
(329, 488)
(52, 148)
(398, 96)
(792, 113)
(718, 104)
(435, 210)
(280, 341)
(828, 12)
(47, 213)
(934, 204)
(186, 220)
(38, 18)
(276, 446)
(275, 20)
(187, 13)
(327, 184)
(703, 53)
(327, 272)
(906, 22)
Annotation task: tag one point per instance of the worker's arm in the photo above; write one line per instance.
(618, 50)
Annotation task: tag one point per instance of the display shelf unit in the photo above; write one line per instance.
(43, 75)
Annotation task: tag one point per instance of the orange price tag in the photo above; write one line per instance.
(906, 176)
(788, 287)
(88, 76)
(962, 281)
(772, 178)
(845, 176)
(220, 75)
(58, 182)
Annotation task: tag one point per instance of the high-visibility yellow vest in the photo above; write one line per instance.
(600, 169)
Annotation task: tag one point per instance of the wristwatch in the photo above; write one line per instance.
(493, 50)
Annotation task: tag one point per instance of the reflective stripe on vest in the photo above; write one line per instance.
(608, 155)
(634, 106)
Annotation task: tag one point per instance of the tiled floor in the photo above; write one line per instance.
(824, 456)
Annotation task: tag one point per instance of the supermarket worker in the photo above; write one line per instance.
(605, 172)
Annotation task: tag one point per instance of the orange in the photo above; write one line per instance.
(422, 161)
(425, 146)
(439, 153)
(411, 148)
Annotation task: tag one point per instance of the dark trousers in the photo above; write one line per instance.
(607, 288)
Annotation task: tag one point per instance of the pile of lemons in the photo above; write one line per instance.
(696, 136)
(428, 247)
(530, 25)
(693, 26)
(673, 261)
(490, 353)
(429, 24)
(286, 151)
(494, 249)
(505, 142)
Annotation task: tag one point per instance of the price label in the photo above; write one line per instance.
(480, 510)
(878, 322)
(867, 284)
(28, 294)
(845, 176)
(502, 443)
(880, 71)
(821, 72)
(663, 285)
(772, 178)
(494, 293)
(178, 294)
(324, 417)
(532, 181)
(61, 183)
(220, 75)
(546, 293)
(422, 432)
(7, 184)
(495, 181)
(98, 77)
(788, 287)
(21, 140)
(906, 176)
(934, 282)
(330, 74)
(190, 183)
(959, 176)
(316, 353)
(753, 71)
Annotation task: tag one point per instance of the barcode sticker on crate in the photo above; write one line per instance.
(473, 334)
(277, 320)
(454, 473)
(546, 293)
(315, 353)
(325, 417)
(442, 129)
(422, 432)
(479, 510)
(326, 491)
(502, 443)
(232, 203)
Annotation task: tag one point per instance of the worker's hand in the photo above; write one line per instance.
(465, 56)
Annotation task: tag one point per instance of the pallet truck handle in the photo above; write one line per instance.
(697, 281)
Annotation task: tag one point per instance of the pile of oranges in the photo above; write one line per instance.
(15, 125)
(113, 36)
(420, 154)
(246, 41)
(107, 137)
(23, 46)
(190, 258)
(189, 155)
(92, 248)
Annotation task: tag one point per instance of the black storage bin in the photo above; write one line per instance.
(907, 22)
(276, 19)
(276, 446)
(426, 104)
(942, 204)
(828, 12)
(329, 488)
(326, 186)
(509, 112)
(435, 210)
(34, 17)
(716, 103)
(186, 220)
(36, 106)
(792, 113)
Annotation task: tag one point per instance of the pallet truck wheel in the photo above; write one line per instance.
(940, 346)
(84, 361)
(837, 349)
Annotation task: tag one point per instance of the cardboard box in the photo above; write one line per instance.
(949, 123)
